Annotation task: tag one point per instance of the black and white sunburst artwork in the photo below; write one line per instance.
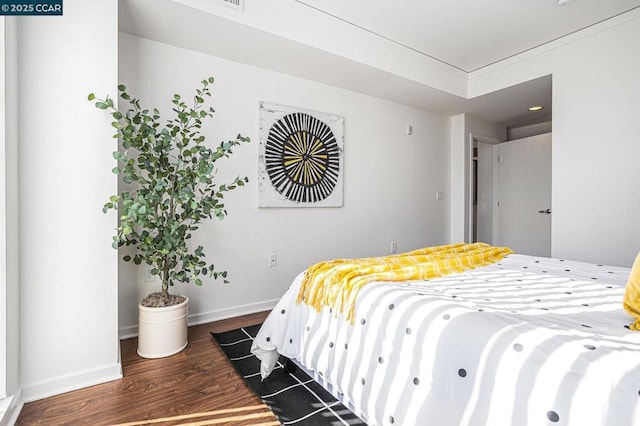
(301, 161)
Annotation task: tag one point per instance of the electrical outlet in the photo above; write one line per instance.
(273, 260)
(394, 247)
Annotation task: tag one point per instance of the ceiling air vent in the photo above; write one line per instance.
(233, 4)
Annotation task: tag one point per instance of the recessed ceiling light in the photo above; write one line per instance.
(535, 108)
(564, 2)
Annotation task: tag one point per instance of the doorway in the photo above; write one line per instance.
(483, 181)
(511, 194)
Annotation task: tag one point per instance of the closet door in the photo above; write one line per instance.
(524, 195)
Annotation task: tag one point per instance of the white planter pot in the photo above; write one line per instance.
(162, 331)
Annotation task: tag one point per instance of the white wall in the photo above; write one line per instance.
(68, 275)
(9, 239)
(3, 218)
(596, 196)
(389, 182)
(530, 130)
(10, 214)
(458, 173)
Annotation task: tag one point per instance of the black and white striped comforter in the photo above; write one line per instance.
(526, 341)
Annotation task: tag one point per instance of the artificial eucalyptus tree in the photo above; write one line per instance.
(171, 173)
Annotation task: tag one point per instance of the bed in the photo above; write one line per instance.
(521, 341)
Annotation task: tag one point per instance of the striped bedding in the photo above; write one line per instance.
(525, 341)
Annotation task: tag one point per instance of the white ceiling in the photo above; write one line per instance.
(471, 34)
(466, 34)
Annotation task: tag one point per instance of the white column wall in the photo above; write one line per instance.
(9, 221)
(458, 196)
(68, 270)
(3, 218)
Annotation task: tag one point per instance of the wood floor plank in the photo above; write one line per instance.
(198, 386)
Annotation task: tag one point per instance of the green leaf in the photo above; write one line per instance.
(127, 258)
(173, 191)
(91, 97)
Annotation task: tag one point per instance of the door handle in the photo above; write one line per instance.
(547, 211)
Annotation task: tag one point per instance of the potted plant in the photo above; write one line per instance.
(169, 175)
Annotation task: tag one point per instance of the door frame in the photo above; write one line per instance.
(470, 182)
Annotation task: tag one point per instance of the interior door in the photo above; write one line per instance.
(524, 195)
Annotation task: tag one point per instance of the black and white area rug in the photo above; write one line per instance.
(290, 393)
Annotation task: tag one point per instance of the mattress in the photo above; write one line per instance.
(525, 341)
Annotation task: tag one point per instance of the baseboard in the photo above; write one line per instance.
(128, 332)
(236, 311)
(11, 411)
(217, 315)
(71, 382)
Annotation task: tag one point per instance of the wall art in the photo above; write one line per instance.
(301, 157)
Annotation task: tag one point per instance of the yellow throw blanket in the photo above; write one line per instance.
(336, 283)
(631, 299)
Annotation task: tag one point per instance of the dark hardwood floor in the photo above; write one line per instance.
(198, 386)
